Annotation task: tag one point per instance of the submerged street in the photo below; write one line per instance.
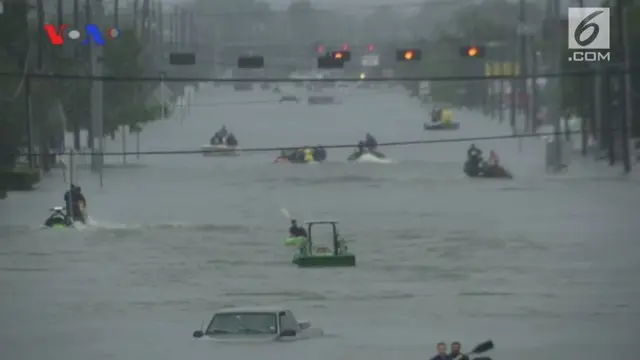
(544, 265)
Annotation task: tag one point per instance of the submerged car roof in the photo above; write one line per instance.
(253, 309)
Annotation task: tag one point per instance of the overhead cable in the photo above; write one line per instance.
(338, 146)
(585, 72)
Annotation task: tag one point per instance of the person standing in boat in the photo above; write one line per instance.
(296, 231)
(299, 232)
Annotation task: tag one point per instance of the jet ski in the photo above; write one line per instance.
(368, 153)
(58, 218)
(485, 170)
(442, 126)
(297, 156)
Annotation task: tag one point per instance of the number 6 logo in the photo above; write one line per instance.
(589, 28)
(585, 25)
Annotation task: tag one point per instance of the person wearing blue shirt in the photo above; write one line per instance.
(442, 352)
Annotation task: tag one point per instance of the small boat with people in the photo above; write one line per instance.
(310, 255)
(307, 155)
(441, 119)
(477, 167)
(222, 143)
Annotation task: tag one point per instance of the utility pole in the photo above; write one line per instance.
(136, 7)
(513, 85)
(116, 13)
(39, 31)
(178, 25)
(625, 80)
(554, 56)
(193, 42)
(97, 156)
(88, 9)
(160, 28)
(76, 58)
(533, 105)
(523, 31)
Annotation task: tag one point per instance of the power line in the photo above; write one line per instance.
(337, 146)
(585, 72)
(341, 7)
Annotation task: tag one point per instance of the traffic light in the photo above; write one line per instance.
(320, 49)
(345, 47)
(250, 62)
(472, 51)
(329, 62)
(370, 48)
(408, 55)
(343, 55)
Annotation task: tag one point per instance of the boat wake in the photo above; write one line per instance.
(371, 159)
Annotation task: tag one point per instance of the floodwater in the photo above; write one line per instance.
(545, 265)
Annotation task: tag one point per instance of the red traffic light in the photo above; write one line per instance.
(341, 55)
(408, 55)
(370, 48)
(321, 49)
(472, 51)
(345, 46)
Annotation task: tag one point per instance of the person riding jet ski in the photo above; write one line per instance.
(360, 149)
(231, 140)
(370, 142)
(474, 155)
(319, 153)
(307, 154)
(75, 200)
(219, 136)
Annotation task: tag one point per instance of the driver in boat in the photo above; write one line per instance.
(79, 203)
(370, 142)
(436, 113)
(308, 155)
(231, 140)
(446, 116)
(494, 160)
(296, 231)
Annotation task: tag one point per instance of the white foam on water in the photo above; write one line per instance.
(94, 224)
(368, 158)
